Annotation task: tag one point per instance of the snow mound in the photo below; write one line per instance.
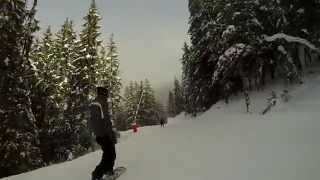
(289, 38)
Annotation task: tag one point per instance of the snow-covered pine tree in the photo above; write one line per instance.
(44, 92)
(83, 78)
(67, 51)
(200, 52)
(244, 44)
(188, 79)
(178, 97)
(107, 74)
(102, 68)
(147, 113)
(44, 85)
(114, 81)
(130, 104)
(89, 44)
(171, 106)
(239, 38)
(18, 132)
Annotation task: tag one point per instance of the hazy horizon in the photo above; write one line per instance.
(149, 33)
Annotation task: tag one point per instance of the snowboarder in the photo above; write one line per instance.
(101, 125)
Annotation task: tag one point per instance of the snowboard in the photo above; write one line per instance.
(117, 173)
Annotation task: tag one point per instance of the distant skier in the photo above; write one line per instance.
(226, 93)
(101, 125)
(162, 122)
(247, 99)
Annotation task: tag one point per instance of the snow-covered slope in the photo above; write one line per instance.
(224, 143)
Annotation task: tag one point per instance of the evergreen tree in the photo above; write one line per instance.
(83, 78)
(188, 79)
(110, 70)
(178, 97)
(44, 91)
(229, 45)
(44, 85)
(171, 105)
(205, 46)
(107, 75)
(18, 131)
(102, 68)
(66, 52)
(147, 113)
(131, 103)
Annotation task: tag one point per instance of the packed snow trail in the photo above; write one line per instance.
(224, 143)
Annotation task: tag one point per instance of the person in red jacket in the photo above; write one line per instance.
(135, 127)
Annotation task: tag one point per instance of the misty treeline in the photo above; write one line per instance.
(140, 106)
(242, 45)
(176, 100)
(47, 83)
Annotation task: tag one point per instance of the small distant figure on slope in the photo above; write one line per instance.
(135, 126)
(247, 99)
(162, 122)
(271, 102)
(101, 125)
(226, 92)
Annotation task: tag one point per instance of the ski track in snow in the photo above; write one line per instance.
(224, 143)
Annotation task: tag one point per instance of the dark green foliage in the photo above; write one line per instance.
(108, 75)
(53, 59)
(171, 106)
(147, 114)
(83, 80)
(176, 101)
(19, 135)
(178, 97)
(229, 46)
(46, 85)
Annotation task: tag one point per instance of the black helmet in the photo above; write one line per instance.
(102, 91)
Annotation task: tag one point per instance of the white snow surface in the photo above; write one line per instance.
(224, 143)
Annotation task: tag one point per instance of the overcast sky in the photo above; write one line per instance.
(149, 33)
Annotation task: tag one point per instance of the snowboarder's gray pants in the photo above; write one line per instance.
(108, 157)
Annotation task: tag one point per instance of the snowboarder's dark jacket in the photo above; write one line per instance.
(100, 122)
